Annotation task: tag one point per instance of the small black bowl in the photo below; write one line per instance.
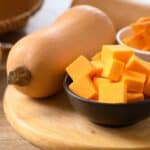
(114, 115)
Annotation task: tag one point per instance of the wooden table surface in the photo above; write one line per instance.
(9, 139)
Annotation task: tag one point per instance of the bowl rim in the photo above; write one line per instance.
(65, 85)
(24, 14)
(122, 30)
(17, 21)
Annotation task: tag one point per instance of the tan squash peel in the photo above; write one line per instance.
(36, 63)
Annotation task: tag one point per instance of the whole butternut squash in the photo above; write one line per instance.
(36, 64)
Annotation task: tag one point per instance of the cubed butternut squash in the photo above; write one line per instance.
(143, 20)
(134, 81)
(84, 87)
(98, 67)
(147, 87)
(95, 97)
(140, 37)
(141, 24)
(115, 78)
(97, 56)
(110, 92)
(97, 81)
(118, 52)
(138, 65)
(147, 39)
(136, 41)
(79, 68)
(135, 97)
(113, 69)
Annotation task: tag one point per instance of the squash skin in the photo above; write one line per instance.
(46, 53)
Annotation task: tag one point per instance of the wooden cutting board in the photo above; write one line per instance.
(53, 124)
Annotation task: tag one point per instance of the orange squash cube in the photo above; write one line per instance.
(118, 52)
(135, 97)
(143, 19)
(113, 69)
(140, 37)
(97, 56)
(84, 87)
(147, 87)
(134, 81)
(98, 67)
(79, 68)
(95, 98)
(141, 24)
(147, 40)
(110, 92)
(97, 80)
(136, 41)
(138, 65)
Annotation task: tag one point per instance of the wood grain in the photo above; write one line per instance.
(9, 139)
(52, 124)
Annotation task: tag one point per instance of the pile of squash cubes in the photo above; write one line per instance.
(114, 75)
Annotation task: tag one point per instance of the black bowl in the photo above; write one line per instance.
(113, 115)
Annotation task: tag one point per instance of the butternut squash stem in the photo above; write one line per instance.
(21, 76)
